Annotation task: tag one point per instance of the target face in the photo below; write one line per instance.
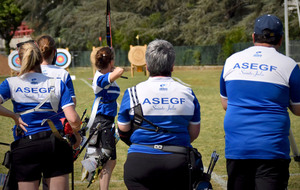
(63, 58)
(136, 55)
(14, 61)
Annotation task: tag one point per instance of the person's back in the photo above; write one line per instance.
(164, 118)
(56, 72)
(257, 85)
(36, 98)
(167, 104)
(30, 89)
(48, 49)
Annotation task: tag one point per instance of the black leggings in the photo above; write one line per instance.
(156, 171)
(258, 174)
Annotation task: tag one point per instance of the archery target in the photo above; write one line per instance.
(14, 61)
(63, 58)
(136, 55)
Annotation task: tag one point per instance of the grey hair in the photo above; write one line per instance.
(160, 58)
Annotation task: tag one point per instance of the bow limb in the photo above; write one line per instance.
(108, 25)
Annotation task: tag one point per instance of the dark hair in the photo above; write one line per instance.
(267, 37)
(47, 45)
(103, 57)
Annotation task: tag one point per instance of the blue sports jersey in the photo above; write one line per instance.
(54, 71)
(260, 84)
(166, 103)
(109, 93)
(27, 91)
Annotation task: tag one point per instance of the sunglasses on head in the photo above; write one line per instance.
(19, 45)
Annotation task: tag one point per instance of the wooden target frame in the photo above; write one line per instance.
(93, 58)
(136, 57)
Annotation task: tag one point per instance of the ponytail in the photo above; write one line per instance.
(30, 57)
(103, 57)
(47, 45)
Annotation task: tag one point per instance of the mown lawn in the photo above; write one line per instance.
(204, 82)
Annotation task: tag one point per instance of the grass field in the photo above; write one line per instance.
(204, 82)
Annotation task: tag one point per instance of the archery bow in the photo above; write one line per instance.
(108, 29)
(108, 25)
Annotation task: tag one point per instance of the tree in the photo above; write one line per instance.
(11, 17)
(80, 23)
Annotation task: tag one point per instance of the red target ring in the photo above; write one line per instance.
(63, 58)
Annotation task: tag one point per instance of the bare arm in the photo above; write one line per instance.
(117, 73)
(124, 128)
(295, 109)
(16, 117)
(194, 131)
(224, 103)
(74, 100)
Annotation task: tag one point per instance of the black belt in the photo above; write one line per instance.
(168, 148)
(40, 135)
(36, 136)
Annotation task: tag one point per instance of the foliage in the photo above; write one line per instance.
(233, 36)
(197, 57)
(11, 17)
(80, 23)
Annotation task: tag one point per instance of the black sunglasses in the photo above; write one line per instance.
(22, 43)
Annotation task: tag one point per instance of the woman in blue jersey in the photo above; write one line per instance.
(35, 97)
(173, 112)
(48, 49)
(107, 91)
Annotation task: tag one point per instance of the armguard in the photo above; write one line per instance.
(125, 136)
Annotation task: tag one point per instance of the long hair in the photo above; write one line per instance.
(30, 57)
(160, 58)
(47, 45)
(103, 57)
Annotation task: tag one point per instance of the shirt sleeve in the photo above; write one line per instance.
(197, 115)
(223, 92)
(294, 82)
(5, 91)
(103, 80)
(66, 99)
(123, 116)
(70, 86)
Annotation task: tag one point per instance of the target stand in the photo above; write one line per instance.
(63, 60)
(93, 58)
(136, 56)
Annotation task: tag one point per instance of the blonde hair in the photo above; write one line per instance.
(30, 57)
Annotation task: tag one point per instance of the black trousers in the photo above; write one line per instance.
(256, 174)
(157, 172)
